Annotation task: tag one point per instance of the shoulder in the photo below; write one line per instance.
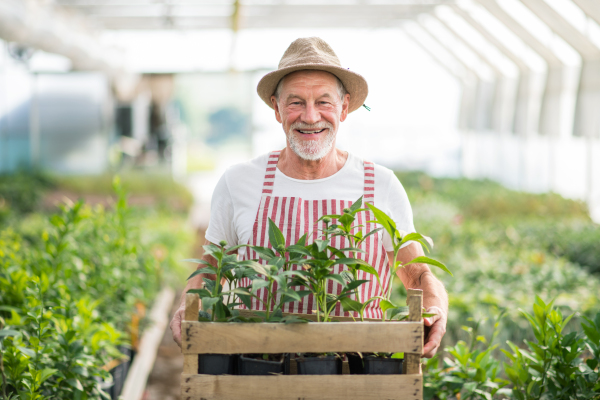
(384, 177)
(247, 170)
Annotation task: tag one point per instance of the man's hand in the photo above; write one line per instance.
(176, 324)
(435, 328)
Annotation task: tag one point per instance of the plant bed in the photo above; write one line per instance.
(312, 337)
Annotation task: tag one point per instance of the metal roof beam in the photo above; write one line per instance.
(590, 7)
(563, 28)
(30, 24)
(546, 53)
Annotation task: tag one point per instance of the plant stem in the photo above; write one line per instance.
(269, 299)
(217, 282)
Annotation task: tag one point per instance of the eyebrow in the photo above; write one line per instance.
(292, 95)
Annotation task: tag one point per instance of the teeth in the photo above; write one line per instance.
(309, 132)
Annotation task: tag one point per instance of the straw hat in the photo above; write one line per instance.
(313, 53)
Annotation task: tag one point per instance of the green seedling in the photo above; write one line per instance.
(228, 268)
(398, 239)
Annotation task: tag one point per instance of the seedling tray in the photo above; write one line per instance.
(312, 337)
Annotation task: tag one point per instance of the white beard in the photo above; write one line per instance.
(311, 150)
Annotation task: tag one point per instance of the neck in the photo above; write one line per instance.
(295, 167)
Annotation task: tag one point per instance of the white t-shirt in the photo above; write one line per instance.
(237, 196)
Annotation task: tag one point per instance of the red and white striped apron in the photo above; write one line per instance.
(295, 217)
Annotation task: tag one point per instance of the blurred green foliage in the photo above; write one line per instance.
(74, 285)
(22, 191)
(160, 187)
(505, 248)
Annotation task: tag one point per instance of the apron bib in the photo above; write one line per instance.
(295, 217)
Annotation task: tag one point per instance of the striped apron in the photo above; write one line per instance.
(295, 217)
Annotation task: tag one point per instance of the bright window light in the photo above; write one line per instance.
(511, 41)
(483, 48)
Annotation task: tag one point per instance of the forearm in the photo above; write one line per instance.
(434, 292)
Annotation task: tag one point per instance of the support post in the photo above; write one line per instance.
(414, 300)
(190, 361)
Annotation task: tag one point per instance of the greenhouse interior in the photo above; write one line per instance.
(122, 123)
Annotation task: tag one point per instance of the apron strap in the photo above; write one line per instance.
(369, 194)
(270, 172)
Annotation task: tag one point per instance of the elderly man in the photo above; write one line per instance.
(311, 95)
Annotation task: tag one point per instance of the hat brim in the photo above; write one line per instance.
(354, 83)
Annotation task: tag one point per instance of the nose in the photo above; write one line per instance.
(311, 115)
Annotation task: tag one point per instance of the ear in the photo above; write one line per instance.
(345, 106)
(276, 108)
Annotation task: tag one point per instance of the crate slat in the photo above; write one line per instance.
(305, 387)
(234, 338)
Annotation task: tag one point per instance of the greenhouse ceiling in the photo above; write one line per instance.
(248, 14)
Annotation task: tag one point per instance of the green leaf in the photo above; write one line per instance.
(75, 383)
(263, 252)
(346, 220)
(388, 224)
(47, 373)
(354, 284)
(206, 270)
(374, 231)
(28, 352)
(321, 244)
(201, 292)
(386, 305)
(417, 237)
(301, 241)
(338, 278)
(258, 284)
(430, 261)
(276, 238)
(208, 302)
(357, 204)
(9, 332)
(298, 249)
(351, 305)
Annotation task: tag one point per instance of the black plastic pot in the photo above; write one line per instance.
(216, 364)
(372, 365)
(330, 365)
(253, 366)
(119, 374)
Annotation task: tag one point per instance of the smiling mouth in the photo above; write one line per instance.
(310, 132)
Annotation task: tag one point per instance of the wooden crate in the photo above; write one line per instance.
(312, 337)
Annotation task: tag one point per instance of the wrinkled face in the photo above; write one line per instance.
(310, 110)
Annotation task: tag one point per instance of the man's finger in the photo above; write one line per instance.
(176, 327)
(433, 341)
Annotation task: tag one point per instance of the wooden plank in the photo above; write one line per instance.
(311, 317)
(233, 338)
(135, 383)
(414, 300)
(192, 306)
(305, 387)
(190, 363)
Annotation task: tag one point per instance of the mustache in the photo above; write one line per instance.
(302, 126)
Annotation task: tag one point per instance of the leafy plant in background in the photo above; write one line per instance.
(553, 367)
(470, 371)
(69, 285)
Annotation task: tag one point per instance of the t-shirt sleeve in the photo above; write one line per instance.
(221, 226)
(399, 209)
